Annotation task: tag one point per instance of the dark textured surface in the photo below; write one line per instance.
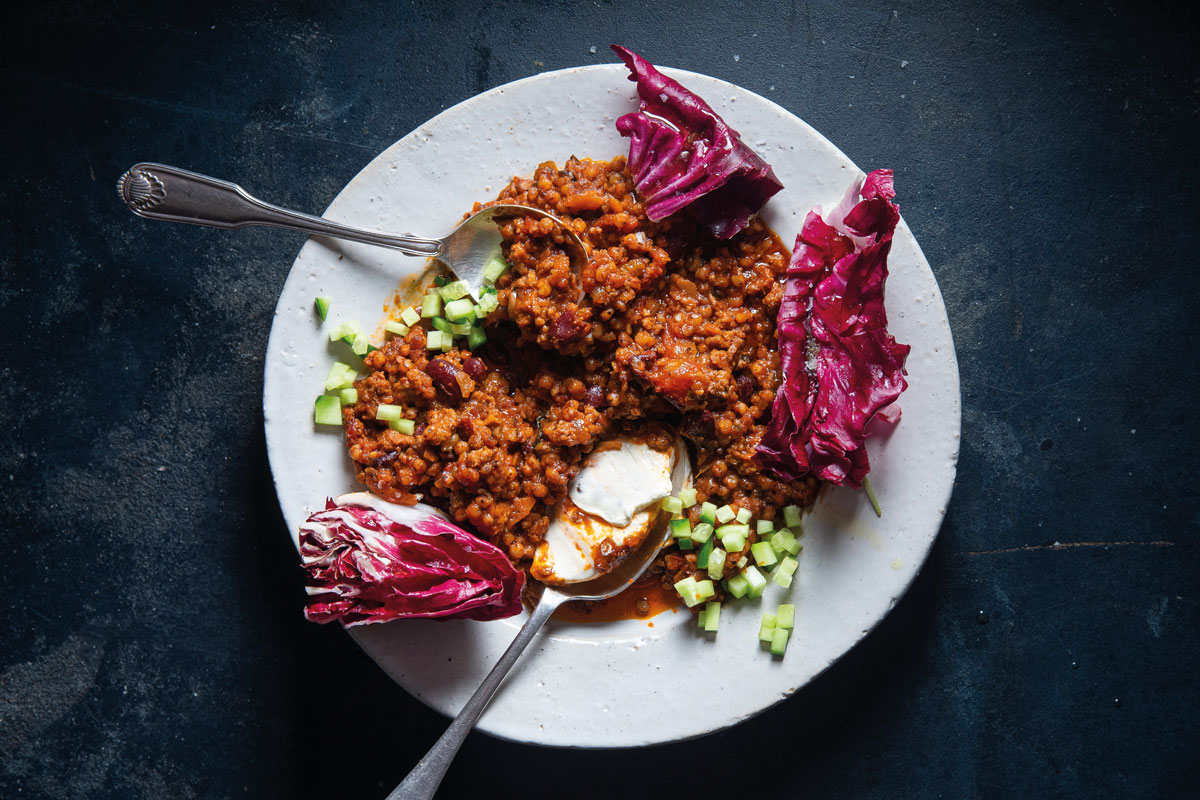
(151, 643)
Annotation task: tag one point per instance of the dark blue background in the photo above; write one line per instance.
(1045, 156)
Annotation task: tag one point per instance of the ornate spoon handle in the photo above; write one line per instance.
(157, 191)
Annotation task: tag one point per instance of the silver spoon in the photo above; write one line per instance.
(426, 776)
(157, 191)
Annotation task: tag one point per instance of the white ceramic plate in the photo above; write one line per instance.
(617, 684)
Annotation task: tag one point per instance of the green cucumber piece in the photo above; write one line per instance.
(708, 513)
(681, 529)
(757, 581)
(457, 310)
(785, 616)
(455, 290)
(687, 496)
(702, 532)
(410, 316)
(764, 554)
(494, 268)
(672, 504)
(398, 328)
(716, 563)
(705, 589)
(387, 412)
(739, 586)
(440, 323)
(764, 526)
(348, 396)
(702, 554)
(782, 541)
(712, 617)
(743, 515)
(322, 304)
(405, 426)
(779, 641)
(791, 516)
(340, 376)
(685, 544)
(327, 410)
(476, 337)
(687, 590)
(725, 514)
(360, 344)
(488, 303)
(460, 328)
(434, 340)
(431, 305)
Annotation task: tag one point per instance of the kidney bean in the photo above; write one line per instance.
(445, 377)
(567, 327)
(475, 367)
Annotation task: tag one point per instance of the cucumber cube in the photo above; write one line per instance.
(705, 589)
(360, 344)
(743, 515)
(785, 616)
(687, 590)
(685, 544)
(348, 396)
(681, 529)
(322, 304)
(388, 413)
(779, 641)
(700, 617)
(782, 541)
(457, 310)
(702, 556)
(440, 323)
(725, 514)
(712, 617)
(701, 532)
(487, 304)
(791, 516)
(340, 376)
(715, 562)
(455, 290)
(672, 504)
(687, 496)
(782, 579)
(764, 554)
(431, 305)
(495, 267)
(460, 328)
(405, 426)
(708, 513)
(434, 340)
(476, 337)
(398, 328)
(409, 316)
(739, 586)
(327, 410)
(765, 526)
(788, 565)
(757, 581)
(766, 629)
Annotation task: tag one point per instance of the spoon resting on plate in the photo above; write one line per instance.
(157, 191)
(568, 580)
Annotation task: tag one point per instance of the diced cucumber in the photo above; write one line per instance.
(455, 290)
(764, 526)
(435, 339)
(405, 426)
(687, 590)
(739, 586)
(431, 305)
(457, 310)
(782, 541)
(388, 412)
(766, 628)
(360, 344)
(672, 505)
(701, 532)
(460, 328)
(487, 304)
(340, 376)
(681, 529)
(685, 544)
(708, 513)
(348, 396)
(725, 514)
(757, 581)
(785, 615)
(700, 617)
(327, 410)
(345, 330)
(716, 563)
(410, 316)
(702, 557)
(782, 579)
(742, 562)
(779, 641)
(743, 515)
(440, 280)
(687, 496)
(322, 304)
(705, 589)
(791, 516)
(712, 617)
(440, 323)
(398, 328)
(494, 268)
(788, 565)
(734, 542)
(764, 554)
(476, 337)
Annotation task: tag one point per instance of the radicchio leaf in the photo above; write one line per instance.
(369, 561)
(682, 154)
(841, 367)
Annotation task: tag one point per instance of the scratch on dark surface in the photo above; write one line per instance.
(1030, 394)
(1032, 548)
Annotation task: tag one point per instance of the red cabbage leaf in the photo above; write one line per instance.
(841, 366)
(368, 561)
(682, 154)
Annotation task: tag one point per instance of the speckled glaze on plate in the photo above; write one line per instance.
(617, 684)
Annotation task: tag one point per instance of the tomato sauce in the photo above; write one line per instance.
(645, 599)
